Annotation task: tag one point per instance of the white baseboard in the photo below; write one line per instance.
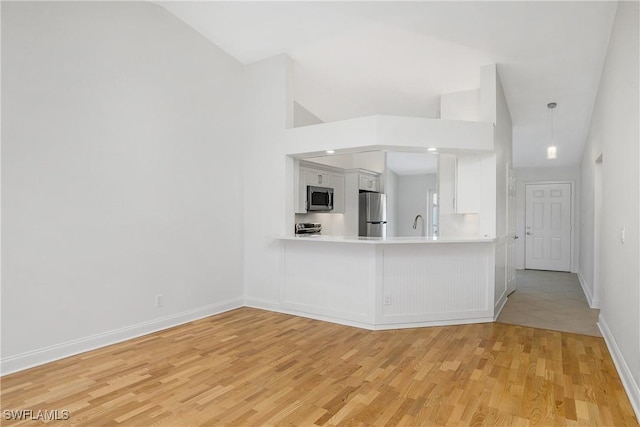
(274, 306)
(429, 324)
(499, 306)
(264, 304)
(629, 383)
(593, 303)
(59, 351)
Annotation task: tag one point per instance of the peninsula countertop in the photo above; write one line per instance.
(386, 240)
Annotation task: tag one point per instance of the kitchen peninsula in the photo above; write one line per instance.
(462, 277)
(388, 283)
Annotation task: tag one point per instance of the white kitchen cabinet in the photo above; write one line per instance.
(317, 178)
(369, 182)
(301, 202)
(337, 182)
(459, 183)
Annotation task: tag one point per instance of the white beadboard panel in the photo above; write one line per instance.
(443, 282)
(329, 279)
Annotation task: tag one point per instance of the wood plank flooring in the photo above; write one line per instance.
(251, 367)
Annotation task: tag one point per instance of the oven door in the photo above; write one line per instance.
(319, 199)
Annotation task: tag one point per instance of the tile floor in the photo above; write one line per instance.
(550, 300)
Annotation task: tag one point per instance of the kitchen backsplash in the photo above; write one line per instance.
(332, 224)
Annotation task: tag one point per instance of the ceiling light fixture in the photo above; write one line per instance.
(552, 149)
(330, 151)
(431, 149)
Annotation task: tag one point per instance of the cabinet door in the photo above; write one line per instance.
(318, 178)
(375, 184)
(338, 193)
(301, 206)
(369, 183)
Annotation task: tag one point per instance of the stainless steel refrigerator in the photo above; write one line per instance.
(373, 215)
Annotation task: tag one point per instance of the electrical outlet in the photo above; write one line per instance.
(159, 301)
(387, 300)
(623, 234)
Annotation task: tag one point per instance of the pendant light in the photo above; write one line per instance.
(552, 149)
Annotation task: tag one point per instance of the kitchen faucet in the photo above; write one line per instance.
(415, 224)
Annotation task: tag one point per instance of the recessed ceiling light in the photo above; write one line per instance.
(431, 149)
(552, 152)
(330, 151)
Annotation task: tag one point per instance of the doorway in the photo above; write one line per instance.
(548, 226)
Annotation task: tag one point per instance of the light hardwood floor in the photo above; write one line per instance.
(250, 367)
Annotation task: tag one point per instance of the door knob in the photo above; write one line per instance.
(528, 234)
(516, 237)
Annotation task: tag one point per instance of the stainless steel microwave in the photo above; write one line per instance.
(319, 199)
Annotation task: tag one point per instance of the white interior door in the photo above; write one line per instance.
(548, 227)
(511, 232)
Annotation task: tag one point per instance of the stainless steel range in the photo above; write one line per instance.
(308, 228)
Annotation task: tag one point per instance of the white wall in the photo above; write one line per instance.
(464, 105)
(269, 109)
(551, 174)
(304, 117)
(411, 200)
(614, 132)
(120, 176)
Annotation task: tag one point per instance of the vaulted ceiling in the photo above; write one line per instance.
(361, 58)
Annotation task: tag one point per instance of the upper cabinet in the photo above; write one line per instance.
(338, 192)
(459, 187)
(317, 178)
(368, 182)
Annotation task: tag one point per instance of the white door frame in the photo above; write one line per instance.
(511, 230)
(572, 217)
(430, 222)
(597, 230)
